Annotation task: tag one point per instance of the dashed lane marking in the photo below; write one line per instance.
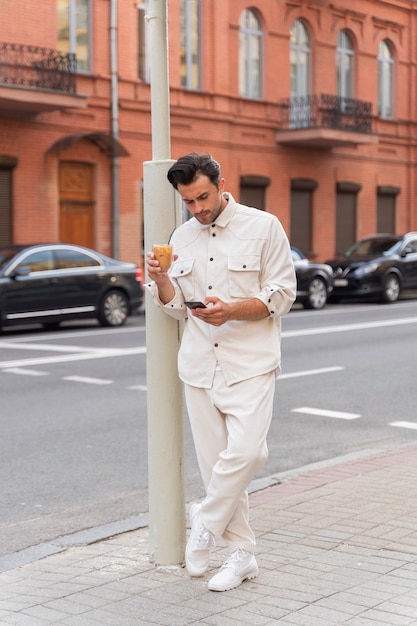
(25, 372)
(323, 370)
(326, 413)
(410, 425)
(138, 388)
(88, 380)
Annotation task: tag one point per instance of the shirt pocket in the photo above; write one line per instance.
(182, 273)
(244, 271)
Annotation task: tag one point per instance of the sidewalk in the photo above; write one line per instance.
(336, 545)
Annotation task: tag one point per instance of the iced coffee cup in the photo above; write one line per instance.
(163, 253)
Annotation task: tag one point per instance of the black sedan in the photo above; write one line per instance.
(378, 266)
(314, 281)
(52, 283)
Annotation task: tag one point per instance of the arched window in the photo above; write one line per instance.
(385, 80)
(250, 55)
(190, 44)
(344, 65)
(300, 59)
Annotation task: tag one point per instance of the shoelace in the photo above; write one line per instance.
(233, 558)
(203, 540)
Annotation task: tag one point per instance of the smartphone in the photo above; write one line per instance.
(195, 305)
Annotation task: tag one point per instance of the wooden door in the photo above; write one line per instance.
(76, 206)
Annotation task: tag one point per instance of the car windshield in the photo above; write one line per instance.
(5, 255)
(372, 247)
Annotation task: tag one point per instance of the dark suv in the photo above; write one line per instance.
(378, 266)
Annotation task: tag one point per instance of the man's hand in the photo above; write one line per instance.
(219, 312)
(161, 279)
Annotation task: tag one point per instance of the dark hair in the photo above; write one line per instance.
(190, 166)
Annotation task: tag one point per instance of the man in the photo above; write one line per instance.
(237, 261)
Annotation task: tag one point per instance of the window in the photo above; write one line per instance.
(144, 68)
(74, 31)
(301, 213)
(68, 258)
(299, 59)
(344, 65)
(250, 55)
(300, 110)
(385, 80)
(42, 261)
(5, 206)
(253, 191)
(346, 214)
(386, 208)
(190, 62)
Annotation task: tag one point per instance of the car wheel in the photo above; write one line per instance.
(114, 309)
(317, 294)
(391, 288)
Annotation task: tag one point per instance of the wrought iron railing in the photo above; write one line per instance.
(39, 68)
(325, 111)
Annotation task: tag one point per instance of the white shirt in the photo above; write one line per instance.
(244, 254)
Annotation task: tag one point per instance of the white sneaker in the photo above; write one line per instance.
(241, 565)
(197, 552)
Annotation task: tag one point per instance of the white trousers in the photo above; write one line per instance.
(230, 426)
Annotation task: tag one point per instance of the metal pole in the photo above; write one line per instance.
(165, 397)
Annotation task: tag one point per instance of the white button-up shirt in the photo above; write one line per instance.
(244, 254)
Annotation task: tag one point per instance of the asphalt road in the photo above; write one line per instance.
(73, 450)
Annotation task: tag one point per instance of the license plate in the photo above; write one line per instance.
(340, 282)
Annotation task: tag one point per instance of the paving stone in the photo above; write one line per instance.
(330, 553)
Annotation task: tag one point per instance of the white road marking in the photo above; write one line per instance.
(138, 388)
(323, 370)
(410, 425)
(88, 380)
(25, 372)
(326, 413)
(347, 327)
(103, 354)
(45, 347)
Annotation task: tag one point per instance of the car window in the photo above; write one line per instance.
(40, 261)
(68, 258)
(370, 246)
(412, 246)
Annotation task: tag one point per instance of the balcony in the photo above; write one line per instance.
(324, 121)
(34, 80)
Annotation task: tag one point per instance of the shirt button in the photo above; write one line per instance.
(244, 266)
(210, 287)
(213, 234)
(211, 259)
(216, 345)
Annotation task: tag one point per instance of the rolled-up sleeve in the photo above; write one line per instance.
(175, 307)
(279, 283)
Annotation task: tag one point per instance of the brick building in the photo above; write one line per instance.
(309, 105)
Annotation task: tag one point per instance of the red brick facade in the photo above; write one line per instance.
(247, 135)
